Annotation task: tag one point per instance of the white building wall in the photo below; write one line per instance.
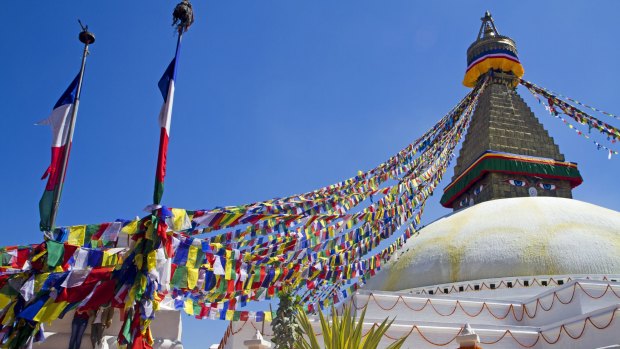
(166, 330)
(439, 319)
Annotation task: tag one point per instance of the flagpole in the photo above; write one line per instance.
(182, 19)
(86, 38)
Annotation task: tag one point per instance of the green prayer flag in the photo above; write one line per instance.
(223, 285)
(127, 326)
(55, 253)
(179, 279)
(91, 229)
(237, 316)
(199, 259)
(6, 258)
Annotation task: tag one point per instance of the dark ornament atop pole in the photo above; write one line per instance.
(86, 37)
(183, 16)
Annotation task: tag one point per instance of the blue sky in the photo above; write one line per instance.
(273, 97)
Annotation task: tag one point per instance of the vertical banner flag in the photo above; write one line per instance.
(59, 122)
(166, 86)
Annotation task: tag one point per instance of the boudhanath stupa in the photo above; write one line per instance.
(518, 263)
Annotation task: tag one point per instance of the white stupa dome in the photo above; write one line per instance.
(506, 238)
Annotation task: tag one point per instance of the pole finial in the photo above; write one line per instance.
(85, 36)
(183, 16)
(487, 29)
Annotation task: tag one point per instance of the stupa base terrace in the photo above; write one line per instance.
(561, 311)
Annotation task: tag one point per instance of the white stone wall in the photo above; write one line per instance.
(166, 329)
(438, 319)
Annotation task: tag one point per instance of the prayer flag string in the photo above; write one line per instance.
(322, 243)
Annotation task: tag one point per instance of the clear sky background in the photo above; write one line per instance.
(273, 97)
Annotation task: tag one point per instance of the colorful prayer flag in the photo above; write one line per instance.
(59, 122)
(166, 86)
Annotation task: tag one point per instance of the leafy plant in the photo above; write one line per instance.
(343, 331)
(285, 327)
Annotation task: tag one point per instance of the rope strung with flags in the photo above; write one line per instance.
(556, 105)
(325, 243)
(577, 102)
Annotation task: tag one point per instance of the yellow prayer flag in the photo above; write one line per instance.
(50, 311)
(76, 235)
(39, 280)
(4, 300)
(192, 277)
(230, 314)
(9, 315)
(189, 306)
(41, 254)
(130, 228)
(180, 219)
(277, 272)
(142, 282)
(192, 256)
(111, 259)
(151, 260)
(229, 269)
(156, 304)
(268, 316)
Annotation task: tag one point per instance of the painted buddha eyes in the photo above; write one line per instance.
(547, 186)
(517, 183)
(470, 201)
(522, 183)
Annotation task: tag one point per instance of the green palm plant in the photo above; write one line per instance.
(343, 331)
